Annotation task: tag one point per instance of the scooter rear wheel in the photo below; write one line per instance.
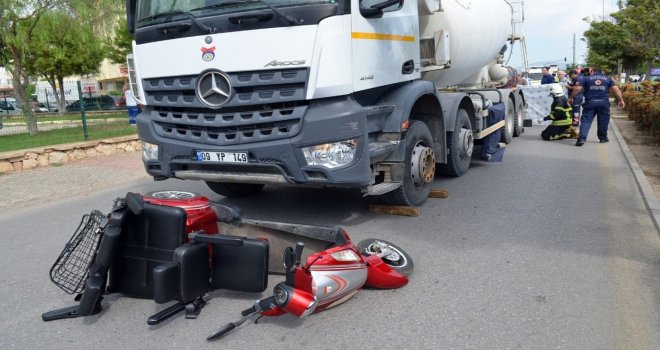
(399, 260)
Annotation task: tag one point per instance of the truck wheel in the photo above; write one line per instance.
(460, 144)
(520, 119)
(419, 168)
(509, 121)
(234, 190)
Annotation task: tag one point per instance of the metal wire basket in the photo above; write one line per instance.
(70, 270)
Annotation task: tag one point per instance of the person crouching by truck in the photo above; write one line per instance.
(561, 125)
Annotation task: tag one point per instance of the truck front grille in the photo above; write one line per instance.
(265, 105)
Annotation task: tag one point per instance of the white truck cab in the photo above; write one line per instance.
(366, 94)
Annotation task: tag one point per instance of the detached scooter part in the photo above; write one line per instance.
(98, 254)
(74, 266)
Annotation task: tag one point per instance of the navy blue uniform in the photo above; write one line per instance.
(596, 103)
(547, 79)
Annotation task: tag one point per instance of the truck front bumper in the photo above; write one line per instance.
(278, 161)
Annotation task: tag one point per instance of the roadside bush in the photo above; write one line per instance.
(643, 105)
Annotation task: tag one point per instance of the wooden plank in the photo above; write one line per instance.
(394, 210)
(439, 194)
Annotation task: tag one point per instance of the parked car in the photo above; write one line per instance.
(50, 107)
(9, 106)
(95, 103)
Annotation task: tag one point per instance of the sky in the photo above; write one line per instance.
(549, 26)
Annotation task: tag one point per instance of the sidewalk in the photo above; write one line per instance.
(20, 189)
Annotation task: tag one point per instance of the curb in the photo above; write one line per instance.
(643, 184)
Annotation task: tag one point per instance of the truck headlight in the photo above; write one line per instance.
(149, 151)
(331, 155)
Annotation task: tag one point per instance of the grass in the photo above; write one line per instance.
(97, 131)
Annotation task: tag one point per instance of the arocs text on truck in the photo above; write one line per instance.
(369, 94)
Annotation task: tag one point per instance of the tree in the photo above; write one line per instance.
(19, 23)
(18, 20)
(607, 43)
(120, 45)
(633, 37)
(62, 47)
(640, 19)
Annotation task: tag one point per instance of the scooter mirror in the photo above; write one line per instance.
(289, 258)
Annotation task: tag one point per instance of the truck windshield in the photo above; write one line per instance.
(152, 12)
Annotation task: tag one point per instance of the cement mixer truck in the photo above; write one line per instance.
(376, 95)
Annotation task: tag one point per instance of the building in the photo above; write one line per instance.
(6, 86)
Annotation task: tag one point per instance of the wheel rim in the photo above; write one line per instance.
(510, 119)
(173, 195)
(396, 258)
(422, 165)
(466, 140)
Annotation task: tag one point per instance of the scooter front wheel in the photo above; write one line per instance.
(398, 259)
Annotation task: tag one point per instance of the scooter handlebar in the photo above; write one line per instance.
(263, 304)
(299, 249)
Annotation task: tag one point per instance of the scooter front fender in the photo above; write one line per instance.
(382, 275)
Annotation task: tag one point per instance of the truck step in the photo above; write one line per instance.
(377, 149)
(383, 188)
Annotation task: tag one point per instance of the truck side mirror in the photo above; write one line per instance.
(130, 15)
(376, 10)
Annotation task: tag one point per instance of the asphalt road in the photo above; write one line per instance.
(551, 249)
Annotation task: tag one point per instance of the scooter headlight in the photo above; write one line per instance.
(281, 295)
(149, 151)
(345, 255)
(331, 155)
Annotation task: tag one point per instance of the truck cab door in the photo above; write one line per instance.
(385, 47)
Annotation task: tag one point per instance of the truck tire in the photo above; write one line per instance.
(509, 122)
(520, 119)
(419, 168)
(460, 144)
(234, 190)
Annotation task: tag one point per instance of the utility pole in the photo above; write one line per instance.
(603, 10)
(573, 49)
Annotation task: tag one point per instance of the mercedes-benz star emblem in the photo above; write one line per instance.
(213, 89)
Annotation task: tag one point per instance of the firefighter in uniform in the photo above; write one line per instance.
(596, 89)
(560, 114)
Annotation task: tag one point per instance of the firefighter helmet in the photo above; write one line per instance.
(556, 90)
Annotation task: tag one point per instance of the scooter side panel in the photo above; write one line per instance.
(331, 283)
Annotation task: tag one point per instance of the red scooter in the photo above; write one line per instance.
(174, 245)
(329, 277)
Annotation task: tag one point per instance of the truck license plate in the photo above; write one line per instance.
(222, 157)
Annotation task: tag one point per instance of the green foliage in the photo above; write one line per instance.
(62, 47)
(643, 104)
(120, 45)
(31, 89)
(633, 37)
(606, 44)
